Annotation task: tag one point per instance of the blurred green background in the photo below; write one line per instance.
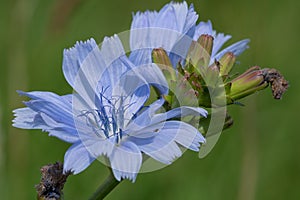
(258, 158)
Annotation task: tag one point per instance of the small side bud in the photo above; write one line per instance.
(200, 51)
(161, 58)
(255, 79)
(206, 42)
(226, 63)
(247, 83)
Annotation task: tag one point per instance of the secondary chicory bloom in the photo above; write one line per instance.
(106, 115)
(173, 28)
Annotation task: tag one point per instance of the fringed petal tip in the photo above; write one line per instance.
(119, 175)
(90, 43)
(203, 112)
(77, 158)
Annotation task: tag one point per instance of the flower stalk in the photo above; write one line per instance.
(105, 188)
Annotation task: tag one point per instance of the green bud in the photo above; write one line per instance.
(206, 41)
(200, 52)
(161, 58)
(247, 83)
(226, 63)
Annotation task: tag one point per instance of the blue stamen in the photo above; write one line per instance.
(108, 120)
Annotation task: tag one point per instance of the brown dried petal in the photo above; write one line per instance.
(278, 83)
(52, 182)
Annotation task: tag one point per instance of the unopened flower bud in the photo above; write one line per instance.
(206, 42)
(161, 58)
(247, 83)
(200, 51)
(226, 63)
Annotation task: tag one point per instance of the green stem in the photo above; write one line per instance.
(105, 188)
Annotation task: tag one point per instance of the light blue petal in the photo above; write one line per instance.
(162, 150)
(190, 22)
(157, 143)
(219, 41)
(143, 20)
(116, 65)
(203, 28)
(143, 119)
(141, 56)
(236, 48)
(77, 158)
(56, 107)
(152, 75)
(185, 134)
(74, 57)
(164, 29)
(59, 130)
(175, 21)
(176, 16)
(97, 146)
(89, 71)
(126, 161)
(179, 112)
(63, 134)
(28, 119)
(134, 86)
(111, 49)
(140, 42)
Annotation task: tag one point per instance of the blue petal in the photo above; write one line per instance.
(179, 112)
(152, 75)
(157, 143)
(162, 150)
(185, 134)
(116, 65)
(219, 41)
(176, 16)
(143, 20)
(61, 131)
(161, 143)
(134, 85)
(236, 48)
(203, 28)
(74, 57)
(28, 119)
(126, 161)
(143, 119)
(140, 42)
(98, 146)
(56, 107)
(163, 29)
(77, 158)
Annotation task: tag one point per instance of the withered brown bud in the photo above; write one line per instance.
(52, 182)
(277, 82)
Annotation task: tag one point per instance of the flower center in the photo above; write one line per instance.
(108, 120)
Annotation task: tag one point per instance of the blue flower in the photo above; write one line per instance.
(106, 115)
(174, 28)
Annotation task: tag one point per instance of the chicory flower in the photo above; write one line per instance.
(174, 28)
(106, 115)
